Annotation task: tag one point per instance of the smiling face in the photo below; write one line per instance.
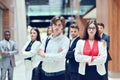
(57, 28)
(33, 35)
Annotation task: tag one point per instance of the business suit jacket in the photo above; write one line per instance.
(98, 61)
(107, 39)
(0, 58)
(33, 53)
(9, 59)
(72, 65)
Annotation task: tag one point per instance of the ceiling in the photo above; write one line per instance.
(57, 7)
(39, 12)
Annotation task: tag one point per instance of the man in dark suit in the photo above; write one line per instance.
(8, 50)
(107, 39)
(71, 64)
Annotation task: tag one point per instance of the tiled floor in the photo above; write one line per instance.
(20, 75)
(19, 72)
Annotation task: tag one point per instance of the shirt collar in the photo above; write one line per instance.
(74, 38)
(57, 36)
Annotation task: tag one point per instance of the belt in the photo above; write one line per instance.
(53, 74)
(29, 58)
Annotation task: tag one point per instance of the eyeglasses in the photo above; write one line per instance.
(91, 28)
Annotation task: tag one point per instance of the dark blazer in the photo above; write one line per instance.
(72, 65)
(107, 39)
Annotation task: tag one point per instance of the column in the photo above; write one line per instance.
(108, 13)
(20, 23)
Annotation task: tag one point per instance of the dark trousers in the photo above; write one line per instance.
(58, 77)
(106, 75)
(71, 76)
(36, 74)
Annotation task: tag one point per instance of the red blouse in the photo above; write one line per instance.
(90, 51)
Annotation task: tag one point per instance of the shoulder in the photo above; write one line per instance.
(102, 43)
(78, 38)
(80, 41)
(1, 42)
(12, 41)
(105, 35)
(37, 42)
(65, 38)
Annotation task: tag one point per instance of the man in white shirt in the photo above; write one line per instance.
(53, 66)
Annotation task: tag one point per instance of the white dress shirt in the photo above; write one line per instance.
(54, 61)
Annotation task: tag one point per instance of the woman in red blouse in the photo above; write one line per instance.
(91, 54)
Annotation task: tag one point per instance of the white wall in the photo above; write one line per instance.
(20, 23)
(1, 23)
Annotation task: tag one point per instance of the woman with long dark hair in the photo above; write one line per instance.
(91, 53)
(30, 52)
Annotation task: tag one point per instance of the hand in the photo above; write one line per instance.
(60, 50)
(5, 53)
(41, 53)
(93, 58)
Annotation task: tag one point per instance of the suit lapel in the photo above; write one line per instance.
(10, 46)
(74, 43)
(103, 36)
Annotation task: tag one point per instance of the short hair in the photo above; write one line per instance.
(57, 18)
(74, 26)
(7, 31)
(101, 24)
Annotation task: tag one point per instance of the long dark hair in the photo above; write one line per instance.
(38, 34)
(86, 36)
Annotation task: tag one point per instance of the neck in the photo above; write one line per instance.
(55, 35)
(91, 38)
(6, 39)
(32, 40)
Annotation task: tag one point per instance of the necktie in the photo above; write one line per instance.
(46, 43)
